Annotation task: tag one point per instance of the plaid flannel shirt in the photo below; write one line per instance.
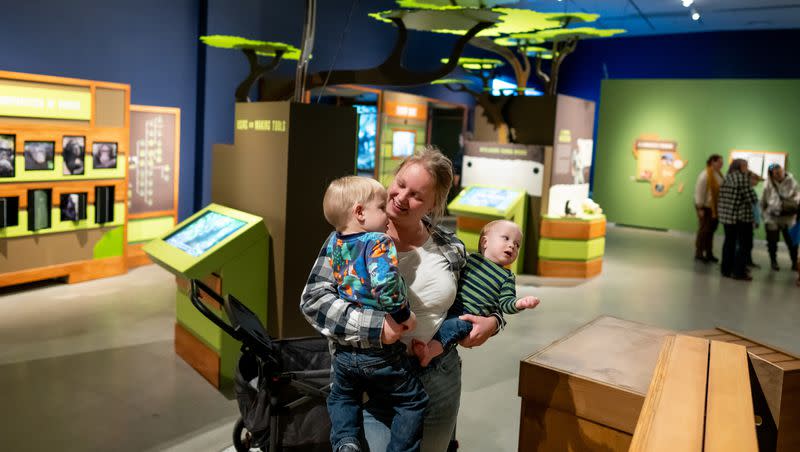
(347, 324)
(736, 199)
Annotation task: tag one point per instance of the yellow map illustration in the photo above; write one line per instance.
(657, 162)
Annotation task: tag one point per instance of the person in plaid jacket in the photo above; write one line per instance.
(735, 211)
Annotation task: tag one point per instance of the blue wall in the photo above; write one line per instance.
(148, 44)
(745, 54)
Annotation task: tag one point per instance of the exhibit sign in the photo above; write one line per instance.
(759, 161)
(154, 160)
(658, 163)
(25, 99)
(507, 165)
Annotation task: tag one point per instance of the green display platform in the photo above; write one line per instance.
(233, 246)
(576, 250)
(477, 205)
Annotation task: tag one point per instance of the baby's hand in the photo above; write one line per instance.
(411, 323)
(527, 303)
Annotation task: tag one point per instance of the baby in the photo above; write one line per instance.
(486, 287)
(364, 263)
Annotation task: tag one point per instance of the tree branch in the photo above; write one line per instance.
(541, 74)
(564, 49)
(256, 72)
(389, 73)
(507, 54)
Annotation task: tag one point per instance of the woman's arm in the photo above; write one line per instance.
(333, 317)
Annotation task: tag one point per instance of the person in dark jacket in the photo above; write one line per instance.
(735, 210)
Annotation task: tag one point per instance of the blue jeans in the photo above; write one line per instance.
(442, 381)
(385, 376)
(452, 330)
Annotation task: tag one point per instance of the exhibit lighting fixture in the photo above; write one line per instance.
(695, 15)
(687, 3)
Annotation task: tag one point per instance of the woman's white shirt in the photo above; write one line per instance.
(431, 288)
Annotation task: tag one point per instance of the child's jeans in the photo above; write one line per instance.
(384, 375)
(452, 330)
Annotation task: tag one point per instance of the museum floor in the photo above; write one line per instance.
(90, 367)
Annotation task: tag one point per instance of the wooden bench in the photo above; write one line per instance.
(775, 378)
(699, 399)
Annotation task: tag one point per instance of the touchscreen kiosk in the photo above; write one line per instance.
(477, 205)
(229, 247)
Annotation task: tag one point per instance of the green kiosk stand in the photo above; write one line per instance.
(477, 205)
(228, 249)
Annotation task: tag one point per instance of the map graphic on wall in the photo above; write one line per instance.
(657, 162)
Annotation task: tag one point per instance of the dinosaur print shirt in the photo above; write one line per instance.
(365, 269)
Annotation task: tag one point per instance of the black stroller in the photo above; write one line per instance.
(281, 385)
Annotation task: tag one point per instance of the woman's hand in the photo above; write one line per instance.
(482, 329)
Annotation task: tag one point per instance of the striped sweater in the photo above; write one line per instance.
(486, 288)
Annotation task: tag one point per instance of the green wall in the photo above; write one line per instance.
(704, 117)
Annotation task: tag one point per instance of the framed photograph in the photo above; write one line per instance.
(73, 206)
(39, 155)
(73, 150)
(7, 149)
(104, 155)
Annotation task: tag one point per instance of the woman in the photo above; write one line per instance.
(430, 260)
(706, 197)
(780, 194)
(735, 210)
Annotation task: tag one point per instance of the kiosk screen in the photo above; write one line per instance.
(493, 198)
(203, 233)
(403, 143)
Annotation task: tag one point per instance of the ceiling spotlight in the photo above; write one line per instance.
(695, 15)
(687, 3)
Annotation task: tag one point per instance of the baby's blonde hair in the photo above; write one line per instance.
(488, 227)
(344, 193)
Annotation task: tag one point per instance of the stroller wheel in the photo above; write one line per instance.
(242, 438)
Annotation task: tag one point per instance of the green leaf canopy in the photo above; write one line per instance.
(451, 21)
(263, 48)
(577, 33)
(477, 64)
(448, 4)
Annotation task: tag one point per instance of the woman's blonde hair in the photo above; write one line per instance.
(344, 193)
(441, 170)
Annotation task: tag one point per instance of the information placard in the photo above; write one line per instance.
(154, 160)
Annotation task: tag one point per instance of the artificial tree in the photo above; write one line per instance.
(392, 71)
(252, 50)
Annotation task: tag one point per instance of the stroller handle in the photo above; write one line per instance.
(198, 303)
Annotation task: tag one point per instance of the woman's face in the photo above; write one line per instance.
(411, 195)
(778, 174)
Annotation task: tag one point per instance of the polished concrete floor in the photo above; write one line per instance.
(90, 367)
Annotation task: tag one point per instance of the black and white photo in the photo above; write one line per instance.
(7, 149)
(73, 151)
(39, 155)
(73, 206)
(104, 155)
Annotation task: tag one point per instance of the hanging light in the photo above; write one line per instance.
(687, 3)
(695, 15)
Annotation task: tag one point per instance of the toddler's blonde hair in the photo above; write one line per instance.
(344, 193)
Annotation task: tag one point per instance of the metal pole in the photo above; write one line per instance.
(307, 47)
